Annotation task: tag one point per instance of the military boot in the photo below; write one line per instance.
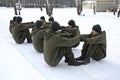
(86, 59)
(72, 62)
(81, 57)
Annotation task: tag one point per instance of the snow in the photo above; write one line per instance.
(22, 62)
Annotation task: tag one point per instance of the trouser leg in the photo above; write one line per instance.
(28, 36)
(90, 51)
(69, 58)
(83, 52)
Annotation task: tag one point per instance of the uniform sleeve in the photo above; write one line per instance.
(100, 39)
(23, 26)
(65, 42)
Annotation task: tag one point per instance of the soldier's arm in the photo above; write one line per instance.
(66, 42)
(100, 39)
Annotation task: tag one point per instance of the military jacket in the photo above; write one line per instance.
(99, 41)
(18, 29)
(38, 39)
(53, 44)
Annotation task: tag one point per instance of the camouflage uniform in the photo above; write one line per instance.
(38, 39)
(55, 47)
(20, 32)
(94, 46)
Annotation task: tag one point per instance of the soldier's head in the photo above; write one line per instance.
(19, 19)
(71, 23)
(38, 24)
(55, 26)
(96, 29)
(42, 18)
(14, 18)
(51, 19)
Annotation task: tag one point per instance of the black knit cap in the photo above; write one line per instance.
(14, 18)
(42, 18)
(97, 28)
(55, 26)
(51, 19)
(19, 19)
(71, 22)
(38, 23)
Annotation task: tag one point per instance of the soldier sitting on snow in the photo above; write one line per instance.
(94, 45)
(12, 23)
(38, 36)
(56, 47)
(20, 31)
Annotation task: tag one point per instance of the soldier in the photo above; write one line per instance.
(12, 22)
(42, 18)
(38, 36)
(55, 47)
(94, 45)
(21, 31)
(72, 30)
(48, 24)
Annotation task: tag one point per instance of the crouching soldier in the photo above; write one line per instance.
(55, 47)
(94, 45)
(20, 31)
(38, 36)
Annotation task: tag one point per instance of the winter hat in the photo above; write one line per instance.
(38, 23)
(51, 19)
(14, 18)
(71, 23)
(19, 19)
(97, 28)
(55, 26)
(42, 18)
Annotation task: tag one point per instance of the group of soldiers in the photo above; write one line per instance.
(56, 42)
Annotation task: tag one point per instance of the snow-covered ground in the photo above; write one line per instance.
(22, 62)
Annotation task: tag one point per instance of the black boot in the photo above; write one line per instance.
(72, 62)
(29, 40)
(81, 57)
(85, 61)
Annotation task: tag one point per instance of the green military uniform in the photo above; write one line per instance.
(94, 46)
(38, 39)
(20, 32)
(73, 31)
(11, 25)
(55, 47)
(46, 25)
